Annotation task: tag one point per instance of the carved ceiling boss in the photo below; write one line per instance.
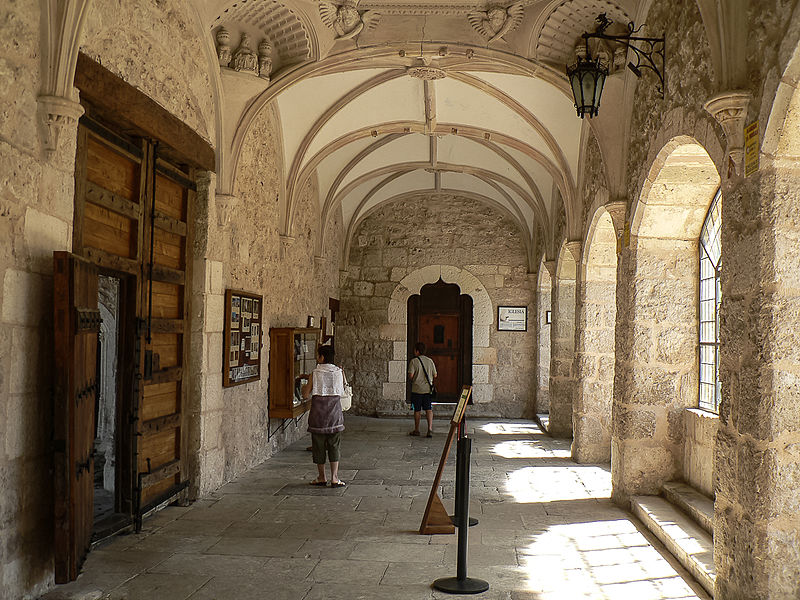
(494, 23)
(345, 19)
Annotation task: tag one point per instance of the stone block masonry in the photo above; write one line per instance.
(399, 249)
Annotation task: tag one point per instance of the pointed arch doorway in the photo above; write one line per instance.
(440, 316)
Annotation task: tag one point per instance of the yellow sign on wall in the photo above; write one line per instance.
(751, 149)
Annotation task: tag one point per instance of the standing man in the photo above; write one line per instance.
(421, 373)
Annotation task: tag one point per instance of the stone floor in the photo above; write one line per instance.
(547, 529)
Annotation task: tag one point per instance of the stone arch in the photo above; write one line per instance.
(562, 341)
(656, 371)
(594, 352)
(482, 321)
(544, 291)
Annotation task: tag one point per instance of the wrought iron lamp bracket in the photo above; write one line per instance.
(650, 56)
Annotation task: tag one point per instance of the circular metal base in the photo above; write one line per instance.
(472, 521)
(452, 585)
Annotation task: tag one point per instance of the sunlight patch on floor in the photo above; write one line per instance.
(511, 429)
(553, 484)
(600, 559)
(526, 449)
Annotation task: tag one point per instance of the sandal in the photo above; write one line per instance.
(429, 434)
(414, 433)
(336, 484)
(317, 482)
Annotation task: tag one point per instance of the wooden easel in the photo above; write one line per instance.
(436, 520)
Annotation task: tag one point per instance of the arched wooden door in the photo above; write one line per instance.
(441, 317)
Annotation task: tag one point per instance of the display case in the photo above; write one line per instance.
(292, 353)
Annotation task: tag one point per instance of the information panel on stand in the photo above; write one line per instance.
(242, 347)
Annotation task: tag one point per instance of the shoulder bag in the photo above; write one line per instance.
(346, 397)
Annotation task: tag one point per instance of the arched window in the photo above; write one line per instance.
(710, 295)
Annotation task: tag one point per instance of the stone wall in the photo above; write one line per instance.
(156, 47)
(700, 432)
(420, 238)
(243, 250)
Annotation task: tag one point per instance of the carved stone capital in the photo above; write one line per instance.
(286, 243)
(574, 247)
(617, 209)
(56, 113)
(319, 261)
(729, 109)
(550, 265)
(226, 204)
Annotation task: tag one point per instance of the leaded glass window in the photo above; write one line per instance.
(710, 295)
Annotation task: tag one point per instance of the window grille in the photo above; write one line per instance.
(710, 295)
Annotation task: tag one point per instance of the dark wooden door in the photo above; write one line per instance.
(441, 336)
(441, 317)
(77, 324)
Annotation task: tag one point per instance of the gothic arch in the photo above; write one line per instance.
(483, 319)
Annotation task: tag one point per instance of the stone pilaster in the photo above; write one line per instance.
(562, 343)
(757, 461)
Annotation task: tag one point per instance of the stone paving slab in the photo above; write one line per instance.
(547, 529)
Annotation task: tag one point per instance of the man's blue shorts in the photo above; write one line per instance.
(421, 402)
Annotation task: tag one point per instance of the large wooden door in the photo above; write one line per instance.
(132, 210)
(77, 324)
(441, 317)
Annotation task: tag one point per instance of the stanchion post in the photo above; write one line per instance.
(461, 584)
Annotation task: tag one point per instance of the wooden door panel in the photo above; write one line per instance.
(167, 300)
(168, 249)
(77, 325)
(170, 198)
(111, 170)
(160, 400)
(109, 231)
(440, 334)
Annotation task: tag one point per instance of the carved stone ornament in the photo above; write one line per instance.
(286, 243)
(245, 59)
(56, 113)
(426, 73)
(346, 20)
(264, 59)
(223, 47)
(574, 247)
(494, 23)
(730, 111)
(617, 209)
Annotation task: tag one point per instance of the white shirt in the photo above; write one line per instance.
(327, 380)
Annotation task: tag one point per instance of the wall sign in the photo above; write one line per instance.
(751, 149)
(242, 346)
(512, 318)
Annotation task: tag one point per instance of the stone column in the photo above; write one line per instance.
(594, 350)
(544, 304)
(562, 339)
(757, 462)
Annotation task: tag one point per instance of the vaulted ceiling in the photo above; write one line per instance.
(380, 99)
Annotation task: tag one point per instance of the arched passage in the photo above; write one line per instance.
(656, 374)
(594, 354)
(562, 344)
(544, 293)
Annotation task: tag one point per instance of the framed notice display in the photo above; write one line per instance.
(512, 318)
(242, 342)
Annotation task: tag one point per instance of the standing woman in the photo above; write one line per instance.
(325, 420)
